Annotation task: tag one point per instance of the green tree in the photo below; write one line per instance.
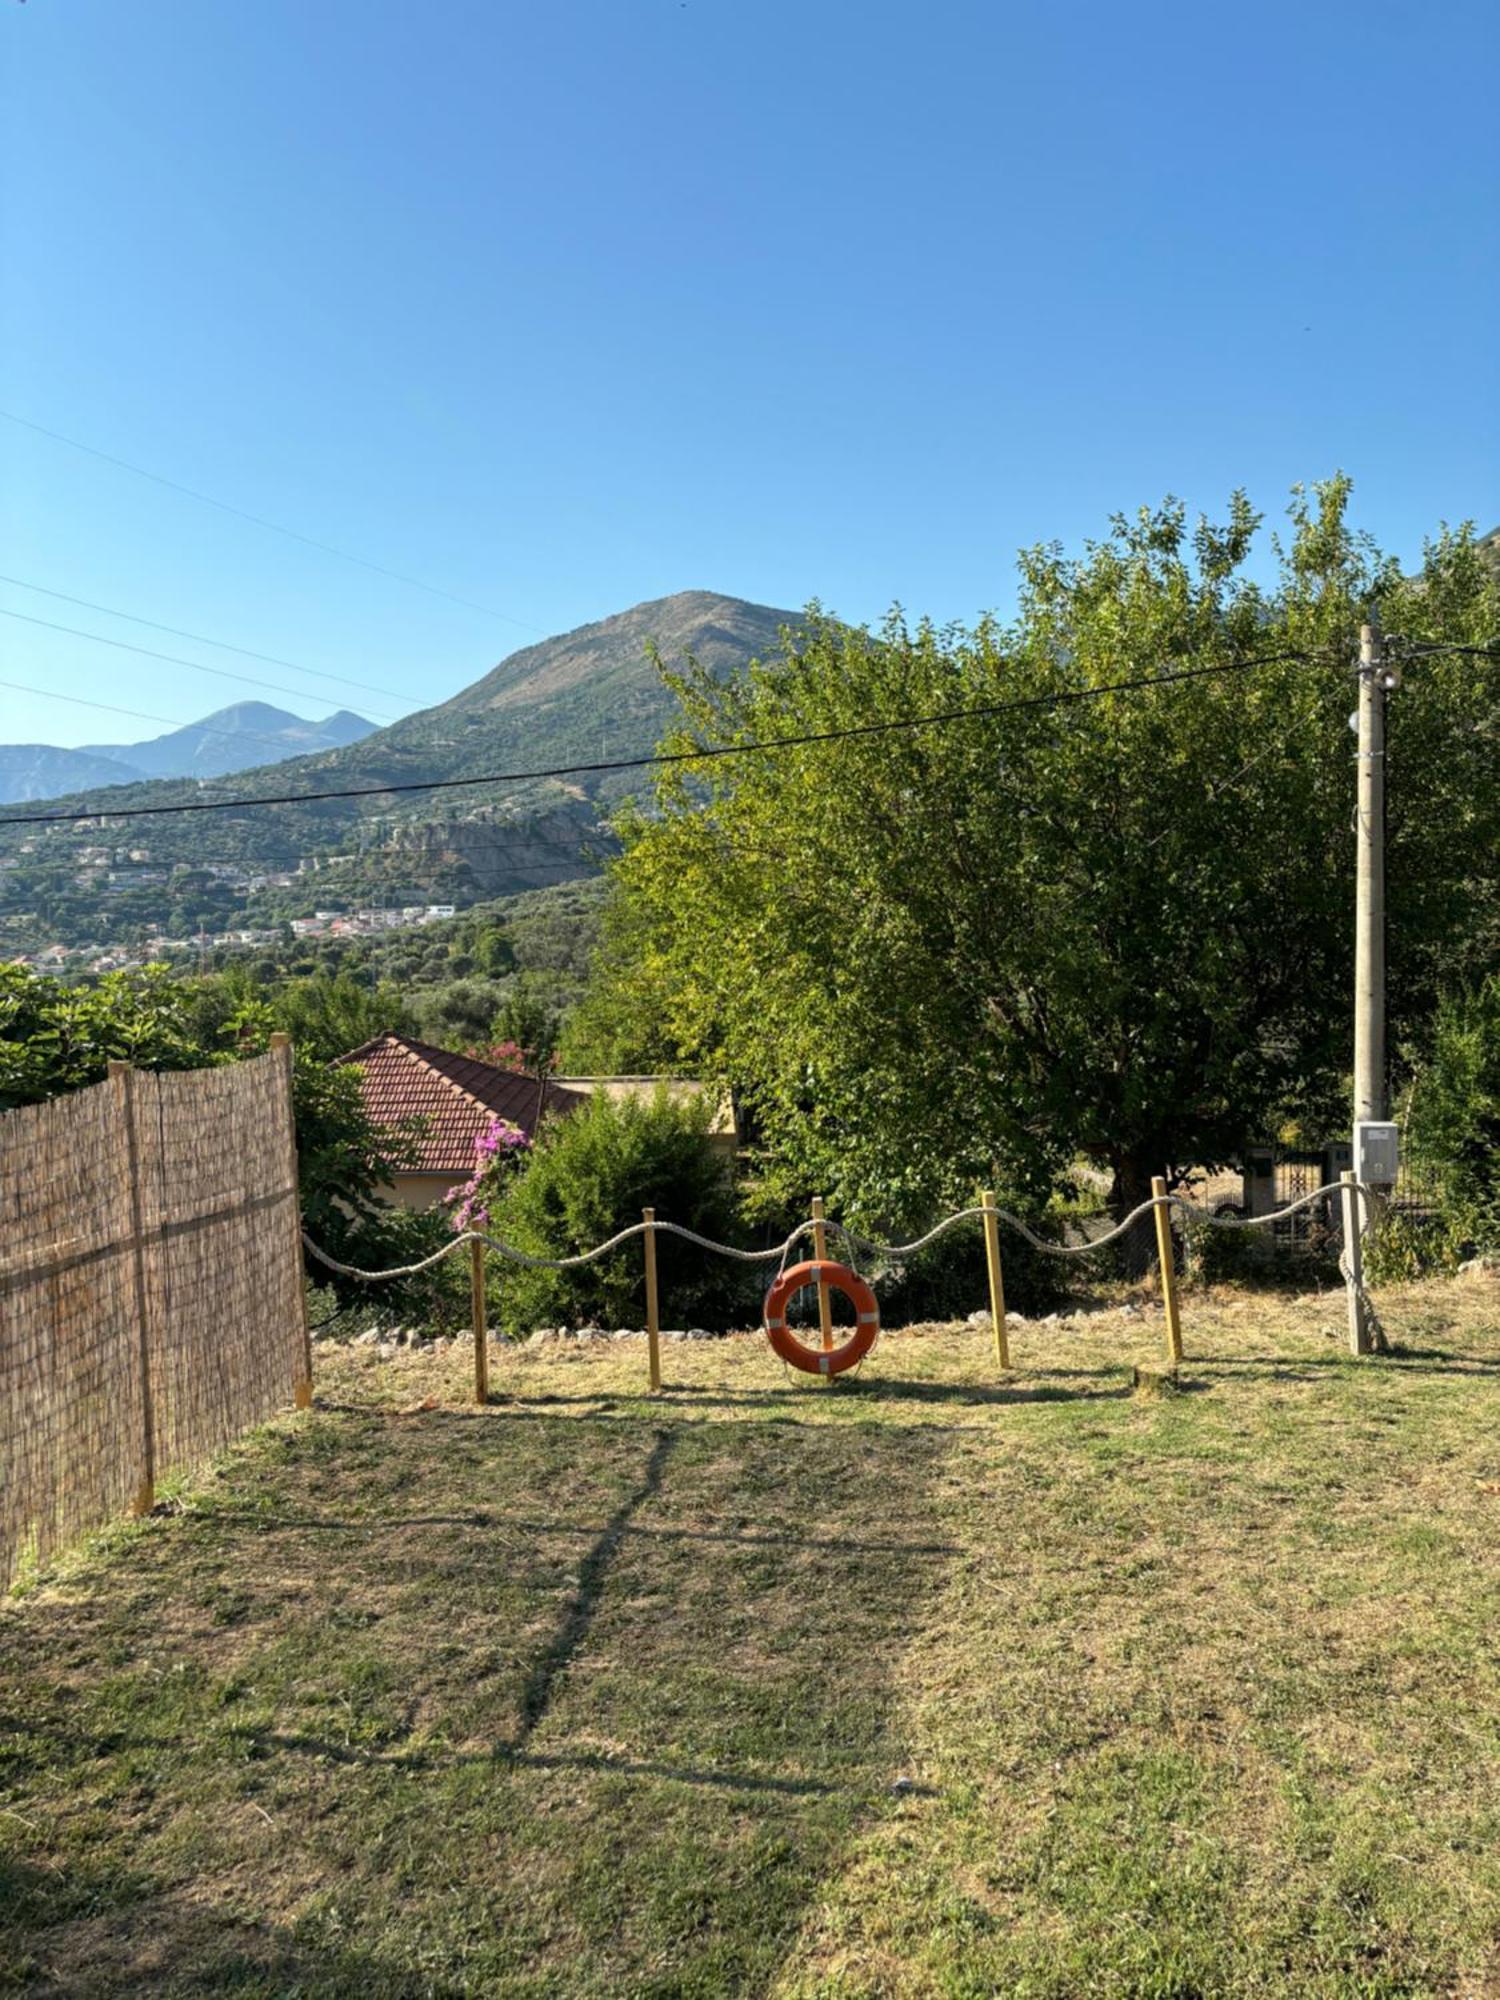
(525, 1033)
(55, 1038)
(1116, 926)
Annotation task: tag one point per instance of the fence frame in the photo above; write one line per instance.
(160, 1182)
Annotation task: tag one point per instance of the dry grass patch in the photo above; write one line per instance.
(590, 1693)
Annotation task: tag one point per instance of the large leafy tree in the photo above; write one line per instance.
(1116, 925)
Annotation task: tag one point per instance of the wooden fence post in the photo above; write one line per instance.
(1168, 1273)
(653, 1317)
(825, 1303)
(145, 1492)
(302, 1379)
(997, 1278)
(479, 1307)
(1351, 1199)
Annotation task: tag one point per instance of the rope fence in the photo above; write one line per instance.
(153, 1304)
(1365, 1332)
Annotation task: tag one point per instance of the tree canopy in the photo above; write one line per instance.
(1110, 923)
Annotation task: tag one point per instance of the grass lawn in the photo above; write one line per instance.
(928, 1684)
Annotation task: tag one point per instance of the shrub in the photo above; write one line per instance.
(589, 1175)
(950, 1278)
(1453, 1121)
(342, 1160)
(1213, 1255)
(56, 1038)
(1403, 1247)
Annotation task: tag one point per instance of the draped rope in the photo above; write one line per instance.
(895, 1253)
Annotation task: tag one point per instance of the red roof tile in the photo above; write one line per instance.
(455, 1097)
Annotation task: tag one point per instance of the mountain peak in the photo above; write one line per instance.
(605, 662)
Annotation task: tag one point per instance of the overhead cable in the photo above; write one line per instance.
(706, 754)
(173, 660)
(222, 645)
(260, 521)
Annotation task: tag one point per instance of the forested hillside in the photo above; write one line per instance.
(588, 696)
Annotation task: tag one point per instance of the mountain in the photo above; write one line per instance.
(234, 737)
(590, 693)
(38, 771)
(586, 696)
(247, 732)
(583, 697)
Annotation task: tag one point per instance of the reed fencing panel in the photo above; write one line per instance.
(150, 1289)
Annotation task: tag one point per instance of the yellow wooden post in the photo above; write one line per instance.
(302, 1379)
(145, 1492)
(825, 1302)
(997, 1281)
(653, 1317)
(1168, 1274)
(481, 1329)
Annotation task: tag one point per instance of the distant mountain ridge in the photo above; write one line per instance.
(41, 771)
(584, 697)
(246, 731)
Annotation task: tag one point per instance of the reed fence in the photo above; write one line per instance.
(151, 1300)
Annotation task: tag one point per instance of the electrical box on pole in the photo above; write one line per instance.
(1376, 1151)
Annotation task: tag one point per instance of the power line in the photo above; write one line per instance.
(173, 660)
(706, 754)
(143, 715)
(1402, 651)
(260, 521)
(202, 639)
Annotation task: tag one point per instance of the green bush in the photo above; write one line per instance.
(56, 1038)
(1402, 1247)
(1453, 1120)
(589, 1175)
(950, 1278)
(1214, 1255)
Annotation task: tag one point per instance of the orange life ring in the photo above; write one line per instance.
(822, 1360)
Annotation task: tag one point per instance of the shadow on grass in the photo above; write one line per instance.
(597, 1762)
(867, 1388)
(623, 1766)
(536, 1691)
(841, 1545)
(1314, 1367)
(66, 1933)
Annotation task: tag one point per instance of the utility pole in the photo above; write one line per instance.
(1374, 1137)
(1371, 1101)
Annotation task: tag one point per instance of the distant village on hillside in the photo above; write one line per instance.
(117, 871)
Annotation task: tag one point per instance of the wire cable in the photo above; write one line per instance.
(174, 660)
(223, 645)
(1420, 651)
(144, 715)
(260, 521)
(706, 754)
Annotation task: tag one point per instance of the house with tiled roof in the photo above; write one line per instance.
(447, 1100)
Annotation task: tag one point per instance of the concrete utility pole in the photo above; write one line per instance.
(1371, 1100)
(1374, 1136)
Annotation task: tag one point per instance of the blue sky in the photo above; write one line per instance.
(566, 305)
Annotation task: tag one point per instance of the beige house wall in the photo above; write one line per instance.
(419, 1191)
